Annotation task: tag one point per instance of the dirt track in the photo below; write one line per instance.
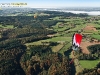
(89, 27)
(84, 46)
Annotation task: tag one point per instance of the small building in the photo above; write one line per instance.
(51, 35)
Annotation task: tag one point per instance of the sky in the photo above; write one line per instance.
(56, 3)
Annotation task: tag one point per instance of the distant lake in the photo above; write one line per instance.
(89, 13)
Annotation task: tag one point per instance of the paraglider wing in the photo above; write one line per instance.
(76, 40)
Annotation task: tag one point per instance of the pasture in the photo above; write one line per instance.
(89, 63)
(6, 26)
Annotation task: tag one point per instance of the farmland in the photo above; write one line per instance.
(89, 64)
(6, 26)
(65, 31)
(42, 42)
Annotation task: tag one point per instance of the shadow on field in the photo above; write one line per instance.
(73, 71)
(67, 53)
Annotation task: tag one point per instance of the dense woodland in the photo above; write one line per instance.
(42, 61)
(17, 59)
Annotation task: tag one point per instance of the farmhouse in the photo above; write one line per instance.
(51, 35)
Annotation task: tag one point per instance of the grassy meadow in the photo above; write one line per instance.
(89, 64)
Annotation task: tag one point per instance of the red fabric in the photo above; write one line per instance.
(78, 38)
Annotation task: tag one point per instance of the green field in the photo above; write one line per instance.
(57, 28)
(34, 43)
(6, 26)
(39, 14)
(78, 27)
(65, 48)
(96, 36)
(55, 18)
(57, 48)
(89, 64)
(54, 39)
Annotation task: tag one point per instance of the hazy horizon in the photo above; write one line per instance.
(56, 3)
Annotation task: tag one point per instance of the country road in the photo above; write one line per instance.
(77, 65)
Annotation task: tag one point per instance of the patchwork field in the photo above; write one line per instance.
(6, 26)
(89, 28)
(65, 31)
(57, 48)
(89, 64)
